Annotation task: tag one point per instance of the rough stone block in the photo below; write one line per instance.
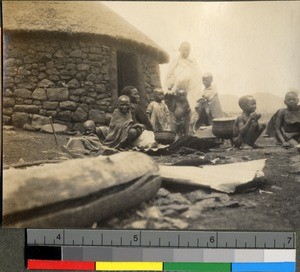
(80, 115)
(27, 108)
(6, 120)
(39, 120)
(22, 93)
(57, 94)
(52, 113)
(45, 83)
(9, 62)
(50, 64)
(88, 100)
(70, 66)
(76, 54)
(28, 101)
(44, 57)
(54, 77)
(8, 81)
(19, 119)
(97, 116)
(81, 75)
(7, 111)
(8, 102)
(65, 115)
(100, 88)
(50, 105)
(74, 98)
(73, 83)
(26, 85)
(67, 105)
(10, 71)
(91, 77)
(79, 91)
(60, 54)
(57, 127)
(39, 94)
(8, 93)
(41, 76)
(83, 67)
(29, 59)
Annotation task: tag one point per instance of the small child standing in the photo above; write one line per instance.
(287, 122)
(181, 113)
(208, 106)
(158, 112)
(247, 129)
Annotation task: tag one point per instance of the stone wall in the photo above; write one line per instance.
(151, 75)
(66, 78)
(70, 78)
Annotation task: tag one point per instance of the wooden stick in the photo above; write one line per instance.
(53, 131)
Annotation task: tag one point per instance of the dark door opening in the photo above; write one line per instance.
(128, 73)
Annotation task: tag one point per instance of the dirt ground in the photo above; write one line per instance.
(275, 205)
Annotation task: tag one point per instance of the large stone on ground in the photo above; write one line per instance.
(57, 94)
(39, 120)
(91, 189)
(19, 119)
(97, 116)
(57, 127)
(68, 105)
(39, 94)
(7, 111)
(22, 93)
(27, 108)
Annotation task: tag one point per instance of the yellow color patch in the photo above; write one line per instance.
(109, 266)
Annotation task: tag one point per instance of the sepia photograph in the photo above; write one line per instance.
(151, 115)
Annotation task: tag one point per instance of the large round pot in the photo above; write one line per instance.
(223, 127)
(164, 137)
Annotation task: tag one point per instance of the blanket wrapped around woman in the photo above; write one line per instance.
(119, 127)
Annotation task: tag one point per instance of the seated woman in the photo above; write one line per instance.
(285, 123)
(123, 132)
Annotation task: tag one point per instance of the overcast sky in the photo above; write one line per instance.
(248, 46)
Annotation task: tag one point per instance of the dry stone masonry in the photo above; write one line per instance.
(70, 78)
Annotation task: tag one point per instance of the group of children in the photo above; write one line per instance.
(171, 112)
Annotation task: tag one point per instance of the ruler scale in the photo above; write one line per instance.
(151, 250)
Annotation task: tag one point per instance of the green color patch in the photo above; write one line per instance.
(200, 267)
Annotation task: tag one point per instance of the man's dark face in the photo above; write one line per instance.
(134, 96)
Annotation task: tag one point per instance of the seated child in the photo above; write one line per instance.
(208, 106)
(158, 112)
(286, 122)
(88, 143)
(181, 113)
(122, 130)
(247, 129)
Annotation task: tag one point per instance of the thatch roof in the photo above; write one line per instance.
(74, 17)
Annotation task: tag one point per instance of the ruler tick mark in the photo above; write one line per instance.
(101, 239)
(197, 242)
(92, 242)
(235, 242)
(265, 244)
(207, 244)
(178, 240)
(44, 240)
(169, 243)
(82, 240)
(35, 241)
(274, 243)
(226, 244)
(159, 241)
(188, 244)
(121, 241)
(245, 244)
(111, 242)
(255, 241)
(73, 242)
(130, 243)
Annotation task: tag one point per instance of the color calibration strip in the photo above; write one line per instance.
(163, 251)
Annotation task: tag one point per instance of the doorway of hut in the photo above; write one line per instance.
(130, 73)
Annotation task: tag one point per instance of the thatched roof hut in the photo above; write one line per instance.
(75, 17)
(70, 59)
